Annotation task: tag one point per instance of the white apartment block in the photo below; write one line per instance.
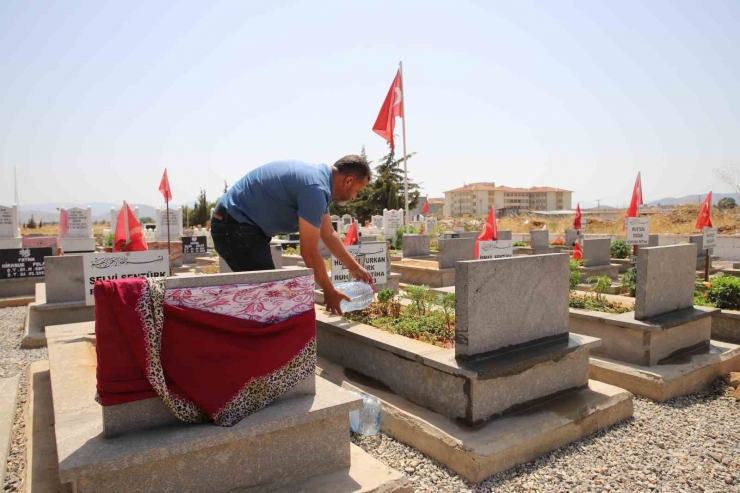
(476, 199)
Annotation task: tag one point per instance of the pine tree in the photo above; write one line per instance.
(31, 223)
(386, 191)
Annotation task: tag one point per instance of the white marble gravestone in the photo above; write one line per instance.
(175, 224)
(431, 225)
(79, 235)
(392, 220)
(377, 222)
(10, 233)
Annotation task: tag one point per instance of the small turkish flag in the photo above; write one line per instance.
(129, 235)
(164, 187)
(636, 201)
(577, 253)
(425, 209)
(392, 107)
(489, 231)
(579, 216)
(704, 220)
(352, 238)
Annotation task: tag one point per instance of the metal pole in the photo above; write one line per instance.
(706, 265)
(405, 167)
(169, 248)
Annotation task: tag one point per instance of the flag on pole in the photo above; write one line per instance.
(392, 107)
(129, 236)
(577, 253)
(704, 220)
(489, 231)
(578, 218)
(352, 238)
(63, 223)
(164, 187)
(425, 209)
(636, 201)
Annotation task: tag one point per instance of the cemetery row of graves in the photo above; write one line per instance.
(485, 351)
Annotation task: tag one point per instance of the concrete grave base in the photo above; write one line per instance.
(16, 301)
(281, 446)
(611, 271)
(500, 444)
(729, 272)
(662, 382)
(726, 326)
(423, 272)
(614, 288)
(24, 286)
(41, 314)
(8, 400)
(364, 475)
(624, 264)
(645, 342)
(469, 391)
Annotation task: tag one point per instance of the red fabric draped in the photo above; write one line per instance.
(226, 366)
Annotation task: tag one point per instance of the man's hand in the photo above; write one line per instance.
(333, 297)
(361, 274)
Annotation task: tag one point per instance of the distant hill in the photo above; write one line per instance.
(692, 199)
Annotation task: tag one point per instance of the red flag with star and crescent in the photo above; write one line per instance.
(392, 107)
(489, 231)
(577, 253)
(164, 187)
(578, 218)
(704, 220)
(636, 201)
(425, 209)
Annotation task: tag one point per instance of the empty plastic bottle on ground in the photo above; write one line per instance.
(366, 420)
(360, 294)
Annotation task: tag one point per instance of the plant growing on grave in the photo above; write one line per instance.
(601, 286)
(521, 244)
(724, 292)
(620, 249)
(293, 250)
(447, 303)
(575, 274)
(629, 280)
(420, 297)
(593, 304)
(385, 298)
(110, 239)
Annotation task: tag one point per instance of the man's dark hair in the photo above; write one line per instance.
(354, 165)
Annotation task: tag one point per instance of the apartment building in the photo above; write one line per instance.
(476, 199)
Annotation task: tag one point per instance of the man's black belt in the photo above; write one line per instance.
(222, 214)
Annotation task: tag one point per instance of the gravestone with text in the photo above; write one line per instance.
(192, 245)
(10, 233)
(638, 231)
(78, 237)
(371, 255)
(23, 262)
(377, 222)
(392, 221)
(488, 250)
(175, 220)
(431, 225)
(121, 265)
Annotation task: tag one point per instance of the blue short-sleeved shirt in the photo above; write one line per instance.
(274, 195)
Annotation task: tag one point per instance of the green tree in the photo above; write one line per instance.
(200, 210)
(727, 203)
(146, 219)
(31, 223)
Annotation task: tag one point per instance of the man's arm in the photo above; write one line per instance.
(310, 252)
(333, 242)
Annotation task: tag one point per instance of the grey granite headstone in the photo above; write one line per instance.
(64, 279)
(539, 239)
(665, 280)
(571, 235)
(698, 240)
(508, 302)
(504, 235)
(456, 250)
(596, 252)
(654, 240)
(469, 234)
(416, 246)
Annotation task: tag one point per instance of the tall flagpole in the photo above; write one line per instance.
(405, 168)
(169, 248)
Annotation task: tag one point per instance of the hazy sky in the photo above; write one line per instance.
(98, 97)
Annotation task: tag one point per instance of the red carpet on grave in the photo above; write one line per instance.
(205, 366)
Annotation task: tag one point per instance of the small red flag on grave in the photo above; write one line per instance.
(636, 201)
(704, 220)
(425, 209)
(164, 187)
(392, 107)
(578, 218)
(129, 235)
(352, 238)
(489, 231)
(577, 253)
(421, 230)
(558, 241)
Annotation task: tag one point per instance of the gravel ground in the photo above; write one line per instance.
(14, 360)
(687, 444)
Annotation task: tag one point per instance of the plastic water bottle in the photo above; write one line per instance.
(366, 420)
(360, 294)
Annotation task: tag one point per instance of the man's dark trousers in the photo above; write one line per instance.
(244, 247)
